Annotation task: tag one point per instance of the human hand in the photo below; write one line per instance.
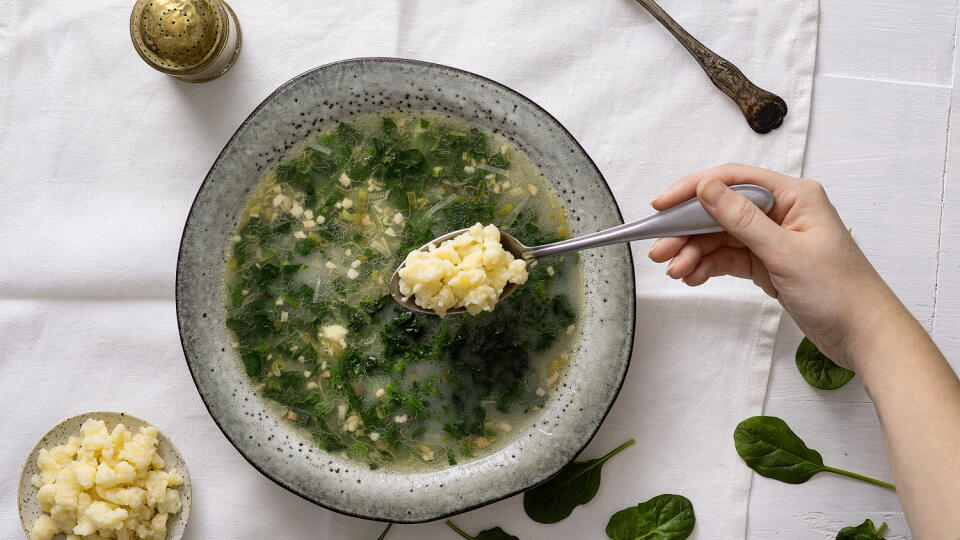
(801, 254)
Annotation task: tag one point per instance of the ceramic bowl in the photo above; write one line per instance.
(318, 100)
(27, 494)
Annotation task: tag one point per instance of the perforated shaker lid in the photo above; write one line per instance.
(178, 36)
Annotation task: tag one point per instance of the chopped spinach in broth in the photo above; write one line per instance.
(320, 336)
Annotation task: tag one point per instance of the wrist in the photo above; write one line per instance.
(888, 348)
(875, 319)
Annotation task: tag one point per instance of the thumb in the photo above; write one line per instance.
(741, 218)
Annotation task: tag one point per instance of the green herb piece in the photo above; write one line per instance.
(287, 271)
(818, 370)
(252, 364)
(289, 299)
(406, 163)
(575, 484)
(385, 531)
(348, 134)
(477, 143)
(664, 517)
(463, 214)
(305, 246)
(864, 531)
(497, 160)
(495, 533)
(772, 449)
(251, 322)
(388, 125)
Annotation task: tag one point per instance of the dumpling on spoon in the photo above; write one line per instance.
(468, 271)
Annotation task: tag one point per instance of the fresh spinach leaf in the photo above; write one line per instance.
(772, 449)
(385, 531)
(664, 517)
(495, 533)
(575, 484)
(818, 370)
(864, 531)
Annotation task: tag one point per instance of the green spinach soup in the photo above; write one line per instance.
(325, 344)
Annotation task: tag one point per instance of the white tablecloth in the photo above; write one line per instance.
(100, 158)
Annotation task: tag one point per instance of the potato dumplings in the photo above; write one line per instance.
(105, 484)
(468, 271)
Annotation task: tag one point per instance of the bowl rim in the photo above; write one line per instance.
(535, 105)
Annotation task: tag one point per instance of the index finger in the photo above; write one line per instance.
(730, 174)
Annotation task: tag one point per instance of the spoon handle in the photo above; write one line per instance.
(685, 219)
(763, 110)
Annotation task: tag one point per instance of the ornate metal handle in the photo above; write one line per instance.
(763, 110)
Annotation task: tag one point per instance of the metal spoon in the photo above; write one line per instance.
(687, 218)
(763, 110)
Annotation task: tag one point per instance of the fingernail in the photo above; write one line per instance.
(712, 191)
(659, 196)
(669, 268)
(653, 247)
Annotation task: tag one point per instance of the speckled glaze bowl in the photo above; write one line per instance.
(61, 433)
(316, 101)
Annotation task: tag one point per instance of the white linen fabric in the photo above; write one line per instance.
(100, 158)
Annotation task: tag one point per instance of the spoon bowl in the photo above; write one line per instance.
(685, 219)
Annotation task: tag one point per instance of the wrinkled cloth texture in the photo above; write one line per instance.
(100, 158)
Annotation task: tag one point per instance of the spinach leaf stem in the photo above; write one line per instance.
(860, 477)
(616, 451)
(458, 530)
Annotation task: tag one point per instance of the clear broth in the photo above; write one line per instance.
(323, 233)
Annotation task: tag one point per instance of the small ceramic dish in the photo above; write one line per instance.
(319, 100)
(61, 433)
